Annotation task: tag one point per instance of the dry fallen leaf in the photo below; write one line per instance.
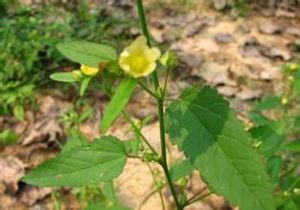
(269, 27)
(224, 38)
(30, 195)
(47, 129)
(12, 170)
(46, 126)
(248, 94)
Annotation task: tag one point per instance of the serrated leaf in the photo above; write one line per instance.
(258, 118)
(108, 189)
(274, 168)
(132, 146)
(118, 102)
(75, 139)
(206, 129)
(181, 169)
(269, 102)
(63, 77)
(87, 53)
(103, 160)
(293, 146)
(271, 136)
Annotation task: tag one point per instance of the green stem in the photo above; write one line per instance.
(166, 82)
(143, 21)
(160, 102)
(189, 202)
(156, 184)
(147, 89)
(138, 131)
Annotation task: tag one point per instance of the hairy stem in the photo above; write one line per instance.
(160, 102)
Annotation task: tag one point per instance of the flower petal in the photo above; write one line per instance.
(89, 71)
(140, 42)
(149, 69)
(138, 59)
(152, 54)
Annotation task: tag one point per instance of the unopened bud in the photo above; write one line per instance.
(291, 78)
(296, 191)
(169, 59)
(293, 67)
(284, 100)
(77, 74)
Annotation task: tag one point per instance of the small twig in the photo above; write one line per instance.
(159, 190)
(146, 199)
(137, 130)
(133, 156)
(166, 82)
(196, 198)
(147, 89)
(197, 194)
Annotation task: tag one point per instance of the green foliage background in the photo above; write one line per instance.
(28, 38)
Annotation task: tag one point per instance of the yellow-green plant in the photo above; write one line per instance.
(200, 122)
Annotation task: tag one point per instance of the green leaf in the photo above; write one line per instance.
(293, 146)
(84, 84)
(271, 135)
(211, 136)
(274, 168)
(109, 192)
(103, 160)
(85, 115)
(63, 77)
(118, 102)
(75, 139)
(8, 136)
(258, 118)
(102, 206)
(19, 112)
(269, 102)
(181, 169)
(87, 53)
(132, 146)
(296, 85)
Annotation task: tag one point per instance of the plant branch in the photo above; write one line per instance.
(138, 131)
(146, 199)
(156, 184)
(166, 82)
(147, 89)
(196, 198)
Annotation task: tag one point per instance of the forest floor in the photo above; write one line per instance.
(241, 57)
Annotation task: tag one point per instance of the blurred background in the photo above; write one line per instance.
(249, 50)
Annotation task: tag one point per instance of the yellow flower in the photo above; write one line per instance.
(89, 71)
(138, 59)
(293, 67)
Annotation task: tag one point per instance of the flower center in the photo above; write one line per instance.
(139, 63)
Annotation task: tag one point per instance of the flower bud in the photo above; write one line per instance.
(293, 67)
(284, 100)
(89, 71)
(78, 76)
(169, 59)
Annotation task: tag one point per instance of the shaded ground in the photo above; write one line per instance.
(241, 57)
